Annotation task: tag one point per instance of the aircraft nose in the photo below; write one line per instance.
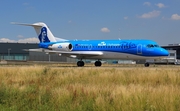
(164, 52)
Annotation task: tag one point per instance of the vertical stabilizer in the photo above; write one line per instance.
(43, 32)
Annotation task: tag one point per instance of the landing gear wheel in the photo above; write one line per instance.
(98, 63)
(146, 64)
(80, 63)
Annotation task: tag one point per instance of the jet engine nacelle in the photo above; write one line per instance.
(61, 47)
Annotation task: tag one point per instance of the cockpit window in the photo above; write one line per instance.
(152, 45)
(148, 46)
(156, 45)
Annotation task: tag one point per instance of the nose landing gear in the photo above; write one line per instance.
(146, 64)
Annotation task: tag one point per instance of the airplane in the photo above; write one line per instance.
(96, 49)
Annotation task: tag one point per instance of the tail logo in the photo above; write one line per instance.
(43, 35)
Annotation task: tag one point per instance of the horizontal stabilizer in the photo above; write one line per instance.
(43, 32)
(25, 24)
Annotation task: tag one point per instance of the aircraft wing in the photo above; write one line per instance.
(79, 54)
(73, 54)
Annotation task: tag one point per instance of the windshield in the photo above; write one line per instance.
(152, 45)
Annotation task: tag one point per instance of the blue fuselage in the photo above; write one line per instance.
(118, 48)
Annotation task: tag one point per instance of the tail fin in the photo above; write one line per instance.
(43, 32)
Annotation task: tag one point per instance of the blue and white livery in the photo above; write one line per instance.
(96, 49)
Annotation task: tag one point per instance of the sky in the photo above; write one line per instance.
(157, 20)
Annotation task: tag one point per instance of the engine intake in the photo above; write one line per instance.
(61, 47)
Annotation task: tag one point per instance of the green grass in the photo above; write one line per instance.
(57, 88)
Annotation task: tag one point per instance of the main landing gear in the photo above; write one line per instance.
(81, 63)
(98, 63)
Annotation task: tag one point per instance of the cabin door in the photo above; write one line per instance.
(139, 49)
